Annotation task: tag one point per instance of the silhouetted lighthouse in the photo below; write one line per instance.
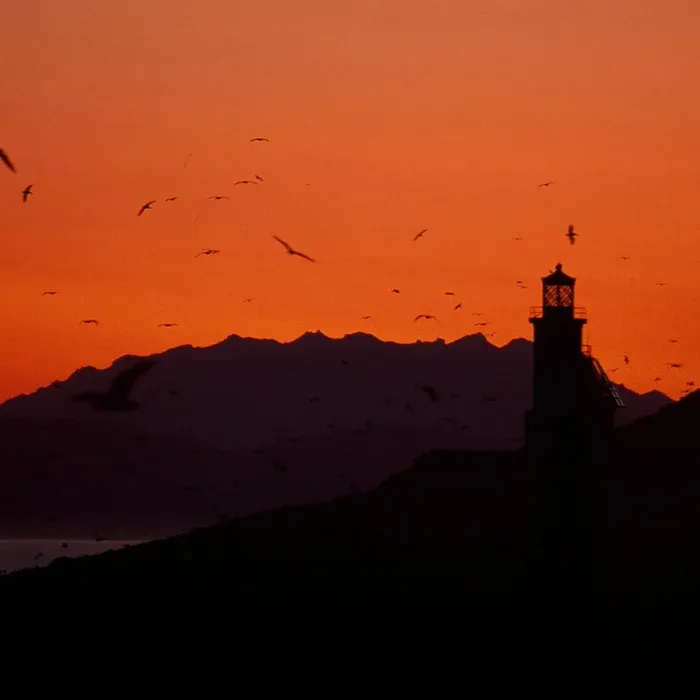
(573, 401)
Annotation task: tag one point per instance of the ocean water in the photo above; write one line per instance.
(20, 554)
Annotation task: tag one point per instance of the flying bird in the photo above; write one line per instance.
(449, 294)
(490, 335)
(26, 192)
(661, 284)
(259, 138)
(483, 323)
(208, 251)
(116, 398)
(217, 196)
(245, 182)
(517, 238)
(675, 365)
(166, 325)
(626, 360)
(657, 379)
(94, 321)
(147, 205)
(291, 250)
(427, 317)
(625, 257)
(396, 291)
(248, 300)
(477, 313)
(546, 184)
(48, 293)
(458, 306)
(6, 160)
(430, 391)
(365, 318)
(673, 340)
(171, 199)
(571, 234)
(420, 234)
(257, 177)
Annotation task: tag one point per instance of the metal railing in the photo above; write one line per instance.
(538, 311)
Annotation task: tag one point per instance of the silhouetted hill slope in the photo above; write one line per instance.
(461, 542)
(249, 393)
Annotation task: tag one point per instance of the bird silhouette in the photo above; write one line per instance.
(449, 294)
(490, 335)
(208, 251)
(218, 196)
(365, 318)
(291, 250)
(166, 325)
(517, 238)
(477, 313)
(430, 391)
(625, 257)
(673, 340)
(657, 379)
(171, 199)
(546, 184)
(147, 205)
(94, 321)
(257, 177)
(259, 138)
(6, 160)
(26, 192)
(571, 234)
(458, 306)
(51, 293)
(420, 234)
(661, 284)
(675, 365)
(248, 300)
(245, 182)
(396, 291)
(483, 323)
(626, 360)
(427, 317)
(116, 398)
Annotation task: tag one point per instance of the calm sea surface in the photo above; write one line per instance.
(20, 554)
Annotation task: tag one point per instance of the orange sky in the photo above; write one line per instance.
(401, 115)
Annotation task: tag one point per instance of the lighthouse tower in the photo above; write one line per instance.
(573, 401)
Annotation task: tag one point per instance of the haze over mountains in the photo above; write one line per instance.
(248, 425)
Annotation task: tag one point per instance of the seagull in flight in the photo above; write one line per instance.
(626, 360)
(166, 325)
(6, 160)
(248, 300)
(675, 365)
(208, 251)
(291, 250)
(449, 294)
(661, 284)
(365, 318)
(483, 323)
(50, 293)
(458, 306)
(517, 238)
(546, 184)
(94, 321)
(257, 177)
(217, 196)
(427, 317)
(147, 205)
(396, 291)
(245, 182)
(116, 398)
(571, 234)
(477, 313)
(673, 340)
(259, 138)
(420, 234)
(26, 192)
(625, 257)
(171, 199)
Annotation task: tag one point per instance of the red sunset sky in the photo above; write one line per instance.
(400, 115)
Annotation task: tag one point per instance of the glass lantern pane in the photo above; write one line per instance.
(550, 295)
(566, 296)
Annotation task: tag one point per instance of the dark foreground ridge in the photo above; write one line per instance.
(465, 545)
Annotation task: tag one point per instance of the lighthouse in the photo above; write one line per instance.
(573, 400)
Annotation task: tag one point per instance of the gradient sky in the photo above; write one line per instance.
(384, 118)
